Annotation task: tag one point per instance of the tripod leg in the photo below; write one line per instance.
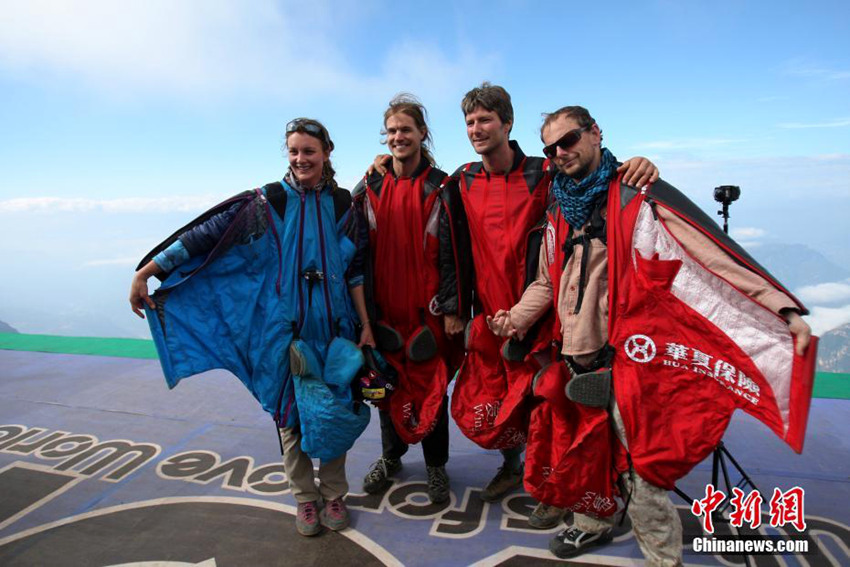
(746, 478)
(683, 495)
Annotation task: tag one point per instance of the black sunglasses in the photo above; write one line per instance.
(565, 142)
(304, 125)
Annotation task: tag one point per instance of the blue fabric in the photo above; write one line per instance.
(171, 257)
(240, 310)
(329, 427)
(576, 198)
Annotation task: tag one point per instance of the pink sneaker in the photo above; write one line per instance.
(307, 519)
(335, 515)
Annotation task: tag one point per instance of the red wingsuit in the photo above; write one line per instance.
(690, 348)
(504, 216)
(403, 217)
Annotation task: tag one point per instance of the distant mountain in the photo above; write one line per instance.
(7, 328)
(834, 350)
(796, 265)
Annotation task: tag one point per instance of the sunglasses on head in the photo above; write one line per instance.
(303, 125)
(565, 142)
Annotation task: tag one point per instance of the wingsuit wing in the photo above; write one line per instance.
(206, 313)
(691, 347)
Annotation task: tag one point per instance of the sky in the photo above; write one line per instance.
(121, 121)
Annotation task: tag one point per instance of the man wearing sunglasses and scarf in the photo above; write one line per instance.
(640, 277)
(504, 197)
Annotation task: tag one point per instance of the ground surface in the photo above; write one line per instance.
(101, 465)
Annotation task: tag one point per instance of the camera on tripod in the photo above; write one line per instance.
(727, 193)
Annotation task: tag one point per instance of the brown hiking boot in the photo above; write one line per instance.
(504, 481)
(545, 516)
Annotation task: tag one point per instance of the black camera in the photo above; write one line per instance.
(727, 193)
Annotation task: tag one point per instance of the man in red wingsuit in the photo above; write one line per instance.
(504, 198)
(401, 207)
(697, 328)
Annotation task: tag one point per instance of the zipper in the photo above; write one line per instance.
(300, 253)
(324, 264)
(276, 239)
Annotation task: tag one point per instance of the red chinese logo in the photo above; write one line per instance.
(787, 508)
(745, 509)
(705, 507)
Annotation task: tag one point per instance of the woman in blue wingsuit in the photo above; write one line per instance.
(269, 285)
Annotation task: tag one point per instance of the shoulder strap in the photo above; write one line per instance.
(598, 229)
(342, 202)
(277, 197)
(434, 180)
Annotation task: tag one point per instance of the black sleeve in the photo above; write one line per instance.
(455, 252)
(357, 230)
(447, 296)
(203, 237)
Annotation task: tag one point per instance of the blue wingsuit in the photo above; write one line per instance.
(268, 274)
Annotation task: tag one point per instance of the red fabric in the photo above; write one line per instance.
(568, 459)
(406, 279)
(675, 411)
(501, 212)
(674, 414)
(415, 405)
(489, 401)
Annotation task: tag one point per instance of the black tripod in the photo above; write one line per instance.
(725, 195)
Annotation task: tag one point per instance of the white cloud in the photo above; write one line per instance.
(825, 293)
(823, 319)
(127, 205)
(199, 48)
(802, 67)
(839, 123)
(747, 233)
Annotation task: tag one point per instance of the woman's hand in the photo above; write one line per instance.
(139, 289)
(366, 337)
(139, 295)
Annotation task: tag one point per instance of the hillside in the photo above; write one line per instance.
(834, 350)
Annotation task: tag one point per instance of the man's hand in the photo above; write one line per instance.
(381, 164)
(502, 326)
(800, 329)
(639, 171)
(366, 337)
(452, 324)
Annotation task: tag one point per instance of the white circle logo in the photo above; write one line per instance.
(640, 348)
(434, 307)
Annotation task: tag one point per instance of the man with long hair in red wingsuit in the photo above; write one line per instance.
(413, 329)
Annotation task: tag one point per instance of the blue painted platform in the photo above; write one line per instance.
(101, 465)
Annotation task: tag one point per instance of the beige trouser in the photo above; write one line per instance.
(299, 471)
(655, 522)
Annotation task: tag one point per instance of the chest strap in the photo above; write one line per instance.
(597, 229)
